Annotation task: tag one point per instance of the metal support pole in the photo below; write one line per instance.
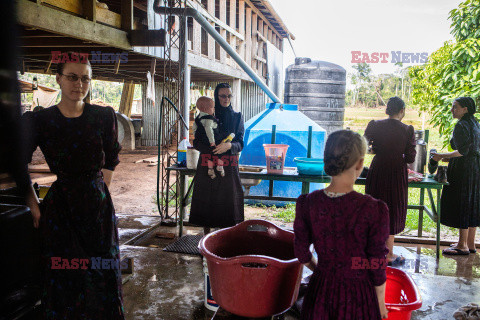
(190, 12)
(184, 76)
(274, 138)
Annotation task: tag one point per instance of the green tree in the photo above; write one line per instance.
(452, 71)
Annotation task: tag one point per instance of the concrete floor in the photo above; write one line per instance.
(169, 286)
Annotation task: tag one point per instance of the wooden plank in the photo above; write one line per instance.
(223, 32)
(197, 37)
(233, 25)
(270, 35)
(254, 48)
(30, 14)
(126, 14)
(126, 100)
(211, 41)
(211, 17)
(147, 38)
(77, 6)
(260, 14)
(90, 10)
(241, 27)
(248, 36)
(39, 168)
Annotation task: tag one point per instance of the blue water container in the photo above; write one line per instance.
(292, 129)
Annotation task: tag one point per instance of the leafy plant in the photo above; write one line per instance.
(452, 71)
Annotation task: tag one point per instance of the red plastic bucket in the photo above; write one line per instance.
(252, 267)
(275, 155)
(401, 295)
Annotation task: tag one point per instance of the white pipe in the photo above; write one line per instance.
(221, 41)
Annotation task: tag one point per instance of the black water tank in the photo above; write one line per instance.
(318, 88)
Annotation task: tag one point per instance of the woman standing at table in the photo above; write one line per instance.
(460, 201)
(394, 146)
(218, 203)
(77, 219)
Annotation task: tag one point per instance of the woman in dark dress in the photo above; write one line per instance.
(218, 203)
(394, 146)
(460, 200)
(77, 220)
(348, 231)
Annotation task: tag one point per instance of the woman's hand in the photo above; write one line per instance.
(437, 156)
(383, 311)
(222, 148)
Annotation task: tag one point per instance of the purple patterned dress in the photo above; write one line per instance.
(78, 218)
(394, 145)
(348, 234)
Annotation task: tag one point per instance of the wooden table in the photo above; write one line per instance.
(427, 184)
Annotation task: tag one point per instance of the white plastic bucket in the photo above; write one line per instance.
(192, 158)
(209, 302)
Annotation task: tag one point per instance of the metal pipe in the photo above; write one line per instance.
(221, 41)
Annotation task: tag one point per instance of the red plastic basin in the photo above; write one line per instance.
(401, 295)
(252, 267)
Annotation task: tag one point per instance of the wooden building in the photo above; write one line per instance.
(125, 28)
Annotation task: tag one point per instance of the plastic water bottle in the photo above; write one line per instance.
(182, 150)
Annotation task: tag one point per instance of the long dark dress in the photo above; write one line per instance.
(394, 145)
(460, 200)
(348, 234)
(78, 218)
(218, 202)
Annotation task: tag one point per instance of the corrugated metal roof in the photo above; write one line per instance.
(269, 12)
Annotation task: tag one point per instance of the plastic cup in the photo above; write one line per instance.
(275, 156)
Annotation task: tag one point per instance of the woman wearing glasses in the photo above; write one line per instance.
(82, 279)
(218, 203)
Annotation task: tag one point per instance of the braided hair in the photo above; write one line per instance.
(469, 103)
(342, 150)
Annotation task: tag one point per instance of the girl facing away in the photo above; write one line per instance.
(348, 231)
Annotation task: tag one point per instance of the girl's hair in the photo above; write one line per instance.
(467, 102)
(342, 150)
(394, 106)
(73, 57)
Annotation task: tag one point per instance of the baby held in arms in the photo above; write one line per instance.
(207, 122)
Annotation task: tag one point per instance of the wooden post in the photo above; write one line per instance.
(211, 41)
(127, 98)
(90, 10)
(241, 27)
(197, 38)
(233, 24)
(237, 94)
(253, 50)
(248, 36)
(223, 32)
(126, 14)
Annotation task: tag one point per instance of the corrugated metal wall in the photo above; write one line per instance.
(151, 116)
(252, 97)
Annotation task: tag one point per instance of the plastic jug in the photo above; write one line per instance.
(182, 150)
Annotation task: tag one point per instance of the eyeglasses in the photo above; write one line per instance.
(224, 96)
(74, 78)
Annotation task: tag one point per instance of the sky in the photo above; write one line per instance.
(331, 30)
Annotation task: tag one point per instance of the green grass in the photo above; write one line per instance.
(357, 120)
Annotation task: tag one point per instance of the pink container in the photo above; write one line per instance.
(275, 155)
(401, 295)
(252, 267)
